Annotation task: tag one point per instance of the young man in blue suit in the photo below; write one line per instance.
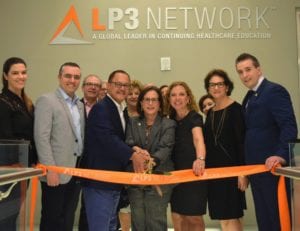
(270, 125)
(105, 149)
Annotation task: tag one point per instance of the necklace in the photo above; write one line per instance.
(148, 131)
(217, 129)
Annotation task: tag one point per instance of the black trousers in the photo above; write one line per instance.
(59, 205)
(83, 224)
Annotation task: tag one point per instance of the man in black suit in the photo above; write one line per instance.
(270, 125)
(91, 86)
(105, 148)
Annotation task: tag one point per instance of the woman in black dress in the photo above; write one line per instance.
(188, 202)
(224, 138)
(16, 123)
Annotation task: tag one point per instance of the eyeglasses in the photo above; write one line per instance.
(219, 85)
(151, 100)
(96, 85)
(70, 76)
(120, 85)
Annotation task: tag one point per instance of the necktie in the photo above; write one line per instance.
(250, 94)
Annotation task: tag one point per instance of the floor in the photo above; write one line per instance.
(207, 229)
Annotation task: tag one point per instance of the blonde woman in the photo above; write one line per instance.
(132, 98)
(188, 201)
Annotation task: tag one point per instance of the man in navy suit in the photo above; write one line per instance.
(270, 125)
(90, 87)
(105, 149)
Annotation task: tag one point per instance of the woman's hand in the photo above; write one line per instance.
(198, 167)
(243, 183)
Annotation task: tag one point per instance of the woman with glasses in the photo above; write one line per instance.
(16, 123)
(131, 110)
(224, 138)
(188, 202)
(153, 135)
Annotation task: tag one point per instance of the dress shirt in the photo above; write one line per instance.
(252, 92)
(261, 78)
(120, 110)
(72, 105)
(88, 106)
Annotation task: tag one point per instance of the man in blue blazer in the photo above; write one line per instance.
(270, 125)
(105, 149)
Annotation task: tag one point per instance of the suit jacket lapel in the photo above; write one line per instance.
(141, 130)
(154, 132)
(67, 110)
(246, 99)
(82, 113)
(261, 87)
(256, 94)
(115, 114)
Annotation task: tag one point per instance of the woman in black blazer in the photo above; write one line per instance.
(154, 135)
(16, 123)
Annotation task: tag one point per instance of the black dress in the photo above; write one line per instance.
(16, 123)
(187, 198)
(224, 139)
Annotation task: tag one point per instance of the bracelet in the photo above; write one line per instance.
(200, 158)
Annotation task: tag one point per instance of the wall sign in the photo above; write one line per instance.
(167, 23)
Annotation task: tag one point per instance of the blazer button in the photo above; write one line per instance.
(75, 154)
(76, 140)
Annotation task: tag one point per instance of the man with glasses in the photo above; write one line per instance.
(90, 87)
(58, 133)
(106, 149)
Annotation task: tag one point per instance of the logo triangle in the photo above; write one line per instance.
(59, 38)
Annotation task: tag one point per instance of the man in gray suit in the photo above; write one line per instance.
(58, 133)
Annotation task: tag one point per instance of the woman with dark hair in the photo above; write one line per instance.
(16, 123)
(188, 202)
(164, 90)
(224, 138)
(153, 135)
(206, 102)
(131, 110)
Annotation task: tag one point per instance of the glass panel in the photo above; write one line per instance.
(295, 183)
(13, 158)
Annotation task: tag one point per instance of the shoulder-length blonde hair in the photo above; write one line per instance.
(192, 105)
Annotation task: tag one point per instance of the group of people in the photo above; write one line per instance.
(124, 126)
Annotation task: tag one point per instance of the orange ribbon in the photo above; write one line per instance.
(173, 177)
